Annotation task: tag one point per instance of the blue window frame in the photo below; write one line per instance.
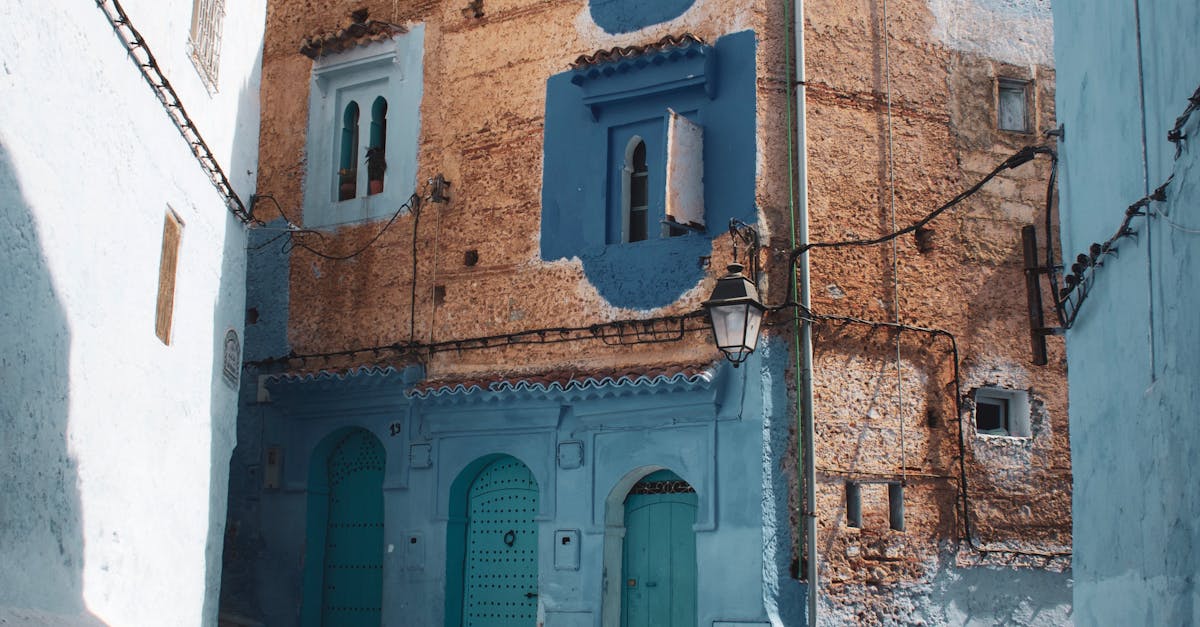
(593, 115)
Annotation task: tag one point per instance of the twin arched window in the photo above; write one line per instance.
(347, 173)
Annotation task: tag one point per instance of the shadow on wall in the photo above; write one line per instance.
(222, 555)
(41, 537)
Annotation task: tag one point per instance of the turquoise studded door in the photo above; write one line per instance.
(658, 587)
(501, 570)
(352, 585)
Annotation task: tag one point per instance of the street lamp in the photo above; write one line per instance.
(735, 313)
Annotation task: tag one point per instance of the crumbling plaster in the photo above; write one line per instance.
(971, 284)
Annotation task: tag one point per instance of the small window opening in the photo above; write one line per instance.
(204, 39)
(637, 182)
(853, 505)
(168, 262)
(1000, 411)
(377, 151)
(991, 416)
(1011, 108)
(471, 257)
(347, 163)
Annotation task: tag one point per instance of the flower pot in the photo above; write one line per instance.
(375, 186)
(346, 191)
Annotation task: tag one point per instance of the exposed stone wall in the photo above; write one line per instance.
(971, 284)
(481, 127)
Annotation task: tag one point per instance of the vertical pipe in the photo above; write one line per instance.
(1033, 294)
(1137, 21)
(805, 392)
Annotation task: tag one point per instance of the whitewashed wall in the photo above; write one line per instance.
(114, 447)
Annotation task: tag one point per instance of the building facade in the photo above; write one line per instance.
(123, 304)
(477, 390)
(1132, 367)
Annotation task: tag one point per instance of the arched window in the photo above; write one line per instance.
(636, 190)
(347, 162)
(376, 150)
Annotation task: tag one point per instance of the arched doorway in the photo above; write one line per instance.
(497, 538)
(344, 560)
(658, 557)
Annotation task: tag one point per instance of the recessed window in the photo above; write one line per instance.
(637, 177)
(1012, 105)
(895, 503)
(1001, 411)
(167, 264)
(363, 126)
(204, 39)
(377, 149)
(347, 163)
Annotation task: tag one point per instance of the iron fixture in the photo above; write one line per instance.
(736, 314)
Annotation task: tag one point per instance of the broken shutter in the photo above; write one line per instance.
(685, 171)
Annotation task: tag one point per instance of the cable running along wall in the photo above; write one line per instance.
(140, 53)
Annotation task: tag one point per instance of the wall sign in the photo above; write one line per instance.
(233, 358)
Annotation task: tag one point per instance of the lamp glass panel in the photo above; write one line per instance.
(729, 324)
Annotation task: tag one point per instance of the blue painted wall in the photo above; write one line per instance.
(626, 16)
(267, 268)
(717, 435)
(1132, 356)
(576, 185)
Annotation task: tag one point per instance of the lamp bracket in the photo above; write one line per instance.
(748, 236)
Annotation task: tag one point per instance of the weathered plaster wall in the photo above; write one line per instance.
(483, 125)
(1131, 352)
(874, 424)
(491, 150)
(115, 446)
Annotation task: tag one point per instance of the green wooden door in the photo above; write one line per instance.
(658, 587)
(501, 571)
(353, 575)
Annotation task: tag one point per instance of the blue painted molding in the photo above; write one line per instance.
(659, 71)
(578, 188)
(570, 391)
(626, 16)
(365, 390)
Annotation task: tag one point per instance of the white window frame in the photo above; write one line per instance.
(393, 69)
(204, 40)
(1013, 85)
(1015, 419)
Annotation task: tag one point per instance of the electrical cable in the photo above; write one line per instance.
(412, 310)
(1022, 156)
(413, 203)
(1069, 299)
(624, 332)
(167, 96)
(887, 73)
(968, 531)
(1174, 225)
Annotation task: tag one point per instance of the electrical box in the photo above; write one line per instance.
(273, 473)
(414, 551)
(566, 549)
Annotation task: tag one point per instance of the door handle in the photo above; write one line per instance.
(651, 584)
(530, 595)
